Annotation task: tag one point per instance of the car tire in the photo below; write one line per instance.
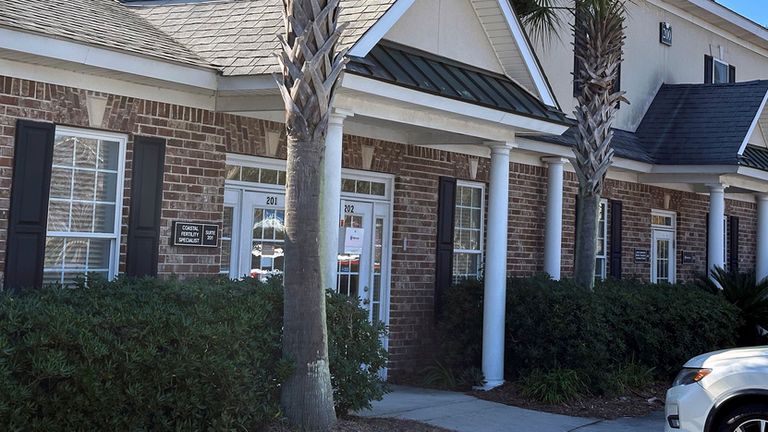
(747, 417)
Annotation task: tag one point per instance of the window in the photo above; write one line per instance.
(601, 256)
(663, 233)
(84, 210)
(468, 231)
(720, 72)
(226, 239)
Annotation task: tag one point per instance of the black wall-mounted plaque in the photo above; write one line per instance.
(689, 258)
(665, 33)
(195, 234)
(642, 255)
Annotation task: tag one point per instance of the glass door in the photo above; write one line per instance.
(355, 260)
(663, 256)
(262, 235)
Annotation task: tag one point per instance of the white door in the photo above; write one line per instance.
(262, 235)
(663, 256)
(355, 257)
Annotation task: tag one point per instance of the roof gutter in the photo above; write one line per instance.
(87, 55)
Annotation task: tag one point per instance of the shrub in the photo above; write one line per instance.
(355, 354)
(555, 386)
(160, 355)
(554, 325)
(748, 295)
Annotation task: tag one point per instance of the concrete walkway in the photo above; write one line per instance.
(462, 413)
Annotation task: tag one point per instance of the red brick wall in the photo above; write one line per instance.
(194, 164)
(197, 141)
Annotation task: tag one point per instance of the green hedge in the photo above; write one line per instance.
(164, 355)
(554, 325)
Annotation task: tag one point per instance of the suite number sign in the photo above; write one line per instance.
(195, 234)
(665, 33)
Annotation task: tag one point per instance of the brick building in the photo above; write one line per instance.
(156, 148)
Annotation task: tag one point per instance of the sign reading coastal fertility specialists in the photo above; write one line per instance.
(195, 234)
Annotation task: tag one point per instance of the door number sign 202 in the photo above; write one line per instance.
(349, 209)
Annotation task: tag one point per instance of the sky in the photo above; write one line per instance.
(756, 10)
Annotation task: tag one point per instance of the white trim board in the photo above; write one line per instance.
(82, 54)
(753, 126)
(365, 44)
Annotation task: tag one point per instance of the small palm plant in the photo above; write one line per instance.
(748, 294)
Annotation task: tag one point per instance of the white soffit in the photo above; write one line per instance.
(524, 48)
(506, 45)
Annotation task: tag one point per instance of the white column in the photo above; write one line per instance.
(496, 266)
(716, 253)
(553, 236)
(761, 268)
(330, 197)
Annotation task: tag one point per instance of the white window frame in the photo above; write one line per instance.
(121, 139)
(673, 256)
(603, 270)
(481, 252)
(727, 71)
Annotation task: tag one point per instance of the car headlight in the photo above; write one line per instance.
(690, 376)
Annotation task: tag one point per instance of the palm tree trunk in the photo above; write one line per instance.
(599, 42)
(311, 67)
(586, 234)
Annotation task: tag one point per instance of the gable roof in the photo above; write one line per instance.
(103, 23)
(240, 36)
(699, 124)
(407, 67)
(692, 124)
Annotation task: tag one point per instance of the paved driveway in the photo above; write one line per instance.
(462, 413)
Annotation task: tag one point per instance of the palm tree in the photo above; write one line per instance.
(311, 66)
(598, 30)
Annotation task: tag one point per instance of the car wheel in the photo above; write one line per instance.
(747, 418)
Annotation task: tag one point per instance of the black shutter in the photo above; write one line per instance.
(733, 244)
(616, 239)
(146, 201)
(446, 205)
(731, 74)
(28, 218)
(708, 64)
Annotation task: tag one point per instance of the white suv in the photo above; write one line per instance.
(723, 391)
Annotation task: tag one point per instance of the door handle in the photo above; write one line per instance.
(366, 289)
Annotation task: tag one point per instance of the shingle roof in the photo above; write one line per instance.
(700, 124)
(692, 124)
(240, 36)
(407, 67)
(103, 23)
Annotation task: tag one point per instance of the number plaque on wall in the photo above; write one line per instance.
(195, 234)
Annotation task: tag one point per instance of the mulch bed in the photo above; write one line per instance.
(631, 404)
(359, 424)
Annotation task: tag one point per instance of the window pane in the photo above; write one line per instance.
(268, 176)
(250, 174)
(378, 189)
(82, 217)
(226, 229)
(104, 220)
(75, 253)
(85, 152)
(106, 186)
(99, 254)
(347, 185)
(226, 255)
(233, 172)
(58, 216)
(85, 182)
(109, 155)
(54, 252)
(61, 183)
(721, 72)
(63, 150)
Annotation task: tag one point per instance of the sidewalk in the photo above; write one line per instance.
(462, 413)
